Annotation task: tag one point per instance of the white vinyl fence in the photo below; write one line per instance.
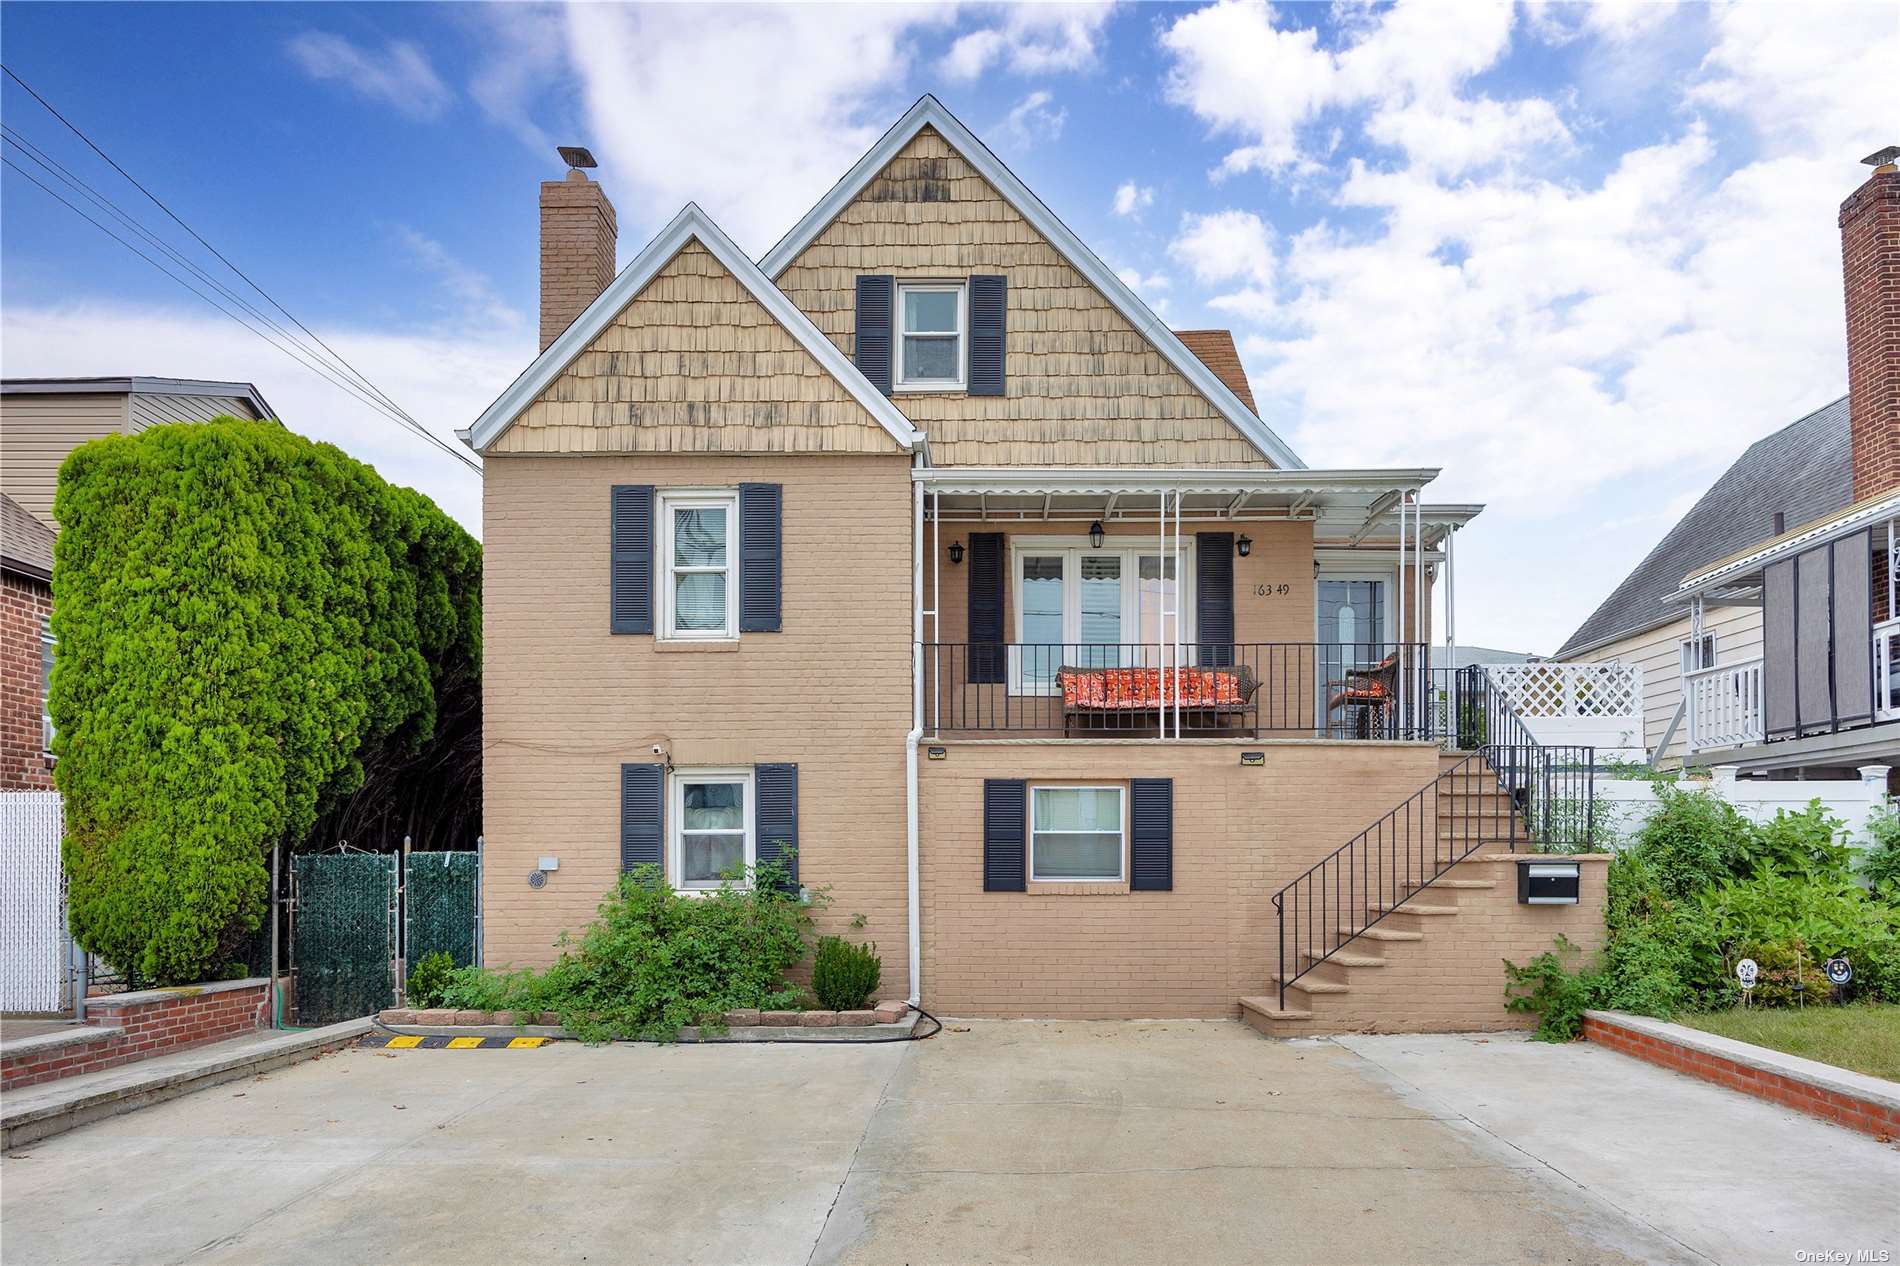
(34, 950)
(1624, 804)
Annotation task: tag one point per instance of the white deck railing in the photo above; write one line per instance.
(1725, 705)
(1595, 705)
(1887, 670)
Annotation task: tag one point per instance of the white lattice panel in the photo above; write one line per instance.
(33, 946)
(1570, 690)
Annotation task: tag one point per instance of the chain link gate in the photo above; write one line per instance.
(343, 935)
(441, 895)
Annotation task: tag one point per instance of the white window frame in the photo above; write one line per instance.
(1121, 857)
(698, 499)
(1683, 656)
(1131, 550)
(677, 782)
(962, 336)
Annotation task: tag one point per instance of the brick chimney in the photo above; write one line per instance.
(578, 233)
(1870, 260)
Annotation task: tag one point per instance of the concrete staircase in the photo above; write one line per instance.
(1472, 808)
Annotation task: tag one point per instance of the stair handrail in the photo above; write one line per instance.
(1413, 845)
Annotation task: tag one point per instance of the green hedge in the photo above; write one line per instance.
(241, 614)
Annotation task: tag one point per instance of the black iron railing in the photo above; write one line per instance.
(1362, 690)
(1511, 793)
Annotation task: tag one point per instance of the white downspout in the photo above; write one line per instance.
(1398, 713)
(913, 919)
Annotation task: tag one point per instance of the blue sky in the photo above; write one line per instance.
(1579, 256)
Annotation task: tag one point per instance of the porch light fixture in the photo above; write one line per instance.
(1244, 546)
(1096, 535)
(956, 552)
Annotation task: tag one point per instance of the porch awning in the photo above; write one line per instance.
(1737, 580)
(1355, 507)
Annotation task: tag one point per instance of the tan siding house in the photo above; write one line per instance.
(922, 552)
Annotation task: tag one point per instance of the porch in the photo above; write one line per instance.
(1827, 681)
(1181, 604)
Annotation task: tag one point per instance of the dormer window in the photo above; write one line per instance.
(931, 325)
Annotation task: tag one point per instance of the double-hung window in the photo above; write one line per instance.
(1077, 834)
(1697, 656)
(699, 593)
(712, 826)
(46, 686)
(931, 323)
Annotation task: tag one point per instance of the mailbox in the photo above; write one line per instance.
(1547, 883)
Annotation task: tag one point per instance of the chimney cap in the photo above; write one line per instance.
(577, 156)
(1881, 157)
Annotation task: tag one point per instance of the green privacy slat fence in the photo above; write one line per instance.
(343, 942)
(439, 895)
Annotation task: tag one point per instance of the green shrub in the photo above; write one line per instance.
(1808, 842)
(1693, 839)
(653, 962)
(843, 975)
(1547, 988)
(244, 617)
(429, 979)
(1880, 865)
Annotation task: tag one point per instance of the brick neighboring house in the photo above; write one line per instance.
(922, 547)
(26, 648)
(41, 421)
(1764, 621)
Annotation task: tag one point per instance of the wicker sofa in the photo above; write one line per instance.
(1119, 698)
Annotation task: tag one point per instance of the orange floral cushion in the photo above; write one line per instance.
(1132, 689)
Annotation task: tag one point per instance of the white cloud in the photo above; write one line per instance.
(472, 294)
(443, 380)
(1032, 39)
(751, 110)
(524, 48)
(398, 75)
(1133, 278)
(1226, 246)
(1033, 119)
(1132, 199)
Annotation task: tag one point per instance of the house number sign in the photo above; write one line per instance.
(1272, 591)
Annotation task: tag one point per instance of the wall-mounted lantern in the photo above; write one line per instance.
(1244, 546)
(956, 552)
(1096, 535)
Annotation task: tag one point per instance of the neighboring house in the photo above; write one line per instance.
(1453, 658)
(877, 553)
(1795, 475)
(43, 419)
(1764, 621)
(26, 648)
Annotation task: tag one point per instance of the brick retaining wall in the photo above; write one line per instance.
(1859, 1102)
(135, 1026)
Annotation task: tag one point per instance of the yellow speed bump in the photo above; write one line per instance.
(464, 1043)
(405, 1043)
(527, 1043)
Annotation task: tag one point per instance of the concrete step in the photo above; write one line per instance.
(1462, 885)
(1415, 909)
(1383, 933)
(1308, 985)
(1344, 958)
(1267, 1017)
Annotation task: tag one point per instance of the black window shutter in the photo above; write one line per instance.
(642, 815)
(630, 562)
(873, 342)
(1005, 834)
(760, 563)
(988, 307)
(1214, 597)
(776, 815)
(1151, 834)
(987, 579)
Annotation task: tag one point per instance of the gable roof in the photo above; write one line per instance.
(691, 224)
(140, 385)
(26, 544)
(1216, 350)
(1804, 470)
(931, 113)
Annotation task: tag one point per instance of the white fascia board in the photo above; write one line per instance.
(691, 224)
(930, 112)
(1066, 479)
(1727, 574)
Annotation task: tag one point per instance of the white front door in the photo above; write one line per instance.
(1353, 637)
(1080, 607)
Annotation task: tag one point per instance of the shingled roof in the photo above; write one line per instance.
(1804, 470)
(1216, 350)
(26, 544)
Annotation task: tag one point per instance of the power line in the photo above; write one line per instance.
(361, 386)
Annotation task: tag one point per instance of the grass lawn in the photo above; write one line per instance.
(1864, 1037)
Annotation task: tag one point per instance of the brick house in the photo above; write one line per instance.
(922, 549)
(1764, 621)
(41, 421)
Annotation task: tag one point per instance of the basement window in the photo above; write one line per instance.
(931, 322)
(712, 831)
(1076, 834)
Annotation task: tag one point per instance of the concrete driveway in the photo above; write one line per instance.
(996, 1142)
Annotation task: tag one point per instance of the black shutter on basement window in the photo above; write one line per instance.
(1214, 597)
(986, 652)
(642, 815)
(776, 816)
(873, 342)
(1005, 834)
(1151, 834)
(988, 306)
(630, 559)
(760, 564)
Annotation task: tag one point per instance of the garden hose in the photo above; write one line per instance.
(912, 1036)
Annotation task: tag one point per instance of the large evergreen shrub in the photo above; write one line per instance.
(243, 616)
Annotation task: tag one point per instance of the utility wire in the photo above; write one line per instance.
(375, 395)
